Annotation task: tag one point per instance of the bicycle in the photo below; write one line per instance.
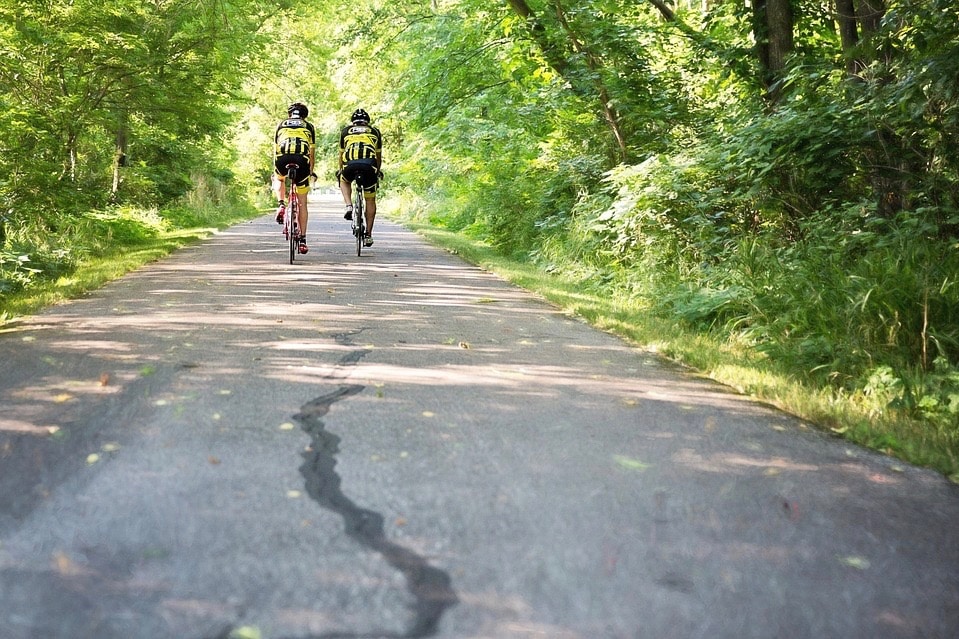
(291, 229)
(358, 224)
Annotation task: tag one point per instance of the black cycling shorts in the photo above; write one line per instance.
(364, 171)
(302, 169)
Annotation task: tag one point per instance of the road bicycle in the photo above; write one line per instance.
(358, 223)
(291, 229)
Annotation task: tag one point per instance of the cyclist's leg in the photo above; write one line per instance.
(370, 185)
(346, 190)
(370, 211)
(304, 214)
(302, 189)
(279, 187)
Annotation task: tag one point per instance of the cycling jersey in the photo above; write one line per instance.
(294, 136)
(293, 143)
(360, 142)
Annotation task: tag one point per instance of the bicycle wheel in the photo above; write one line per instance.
(359, 215)
(294, 232)
(292, 212)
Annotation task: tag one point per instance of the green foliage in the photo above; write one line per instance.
(36, 263)
(107, 109)
(635, 156)
(821, 233)
(35, 255)
(91, 73)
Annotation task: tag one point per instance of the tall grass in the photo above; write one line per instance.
(43, 262)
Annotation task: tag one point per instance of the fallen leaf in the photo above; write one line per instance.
(62, 397)
(791, 509)
(465, 345)
(110, 447)
(92, 458)
(64, 564)
(245, 632)
(293, 494)
(860, 563)
(630, 464)
(104, 379)
(400, 522)
(286, 426)
(213, 460)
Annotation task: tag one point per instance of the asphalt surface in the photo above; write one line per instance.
(402, 445)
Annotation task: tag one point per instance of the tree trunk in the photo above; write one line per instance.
(870, 13)
(773, 32)
(848, 34)
(779, 19)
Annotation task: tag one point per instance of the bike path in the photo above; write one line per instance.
(402, 445)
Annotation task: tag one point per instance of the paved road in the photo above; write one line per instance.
(401, 445)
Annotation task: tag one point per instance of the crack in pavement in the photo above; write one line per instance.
(430, 586)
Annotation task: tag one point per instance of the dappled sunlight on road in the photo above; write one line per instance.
(733, 462)
(446, 375)
(26, 428)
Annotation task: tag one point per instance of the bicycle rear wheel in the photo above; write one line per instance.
(359, 217)
(292, 215)
(294, 239)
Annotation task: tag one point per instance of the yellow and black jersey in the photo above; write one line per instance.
(294, 136)
(360, 142)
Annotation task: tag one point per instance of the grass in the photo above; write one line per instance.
(721, 358)
(122, 257)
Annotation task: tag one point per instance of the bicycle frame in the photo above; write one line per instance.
(359, 215)
(290, 225)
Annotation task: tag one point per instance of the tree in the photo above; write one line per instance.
(773, 31)
(590, 82)
(118, 88)
(858, 20)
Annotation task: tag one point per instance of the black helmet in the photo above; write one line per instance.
(360, 116)
(299, 109)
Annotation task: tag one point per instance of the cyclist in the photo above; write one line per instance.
(294, 142)
(361, 157)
